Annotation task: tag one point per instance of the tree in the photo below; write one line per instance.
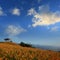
(7, 39)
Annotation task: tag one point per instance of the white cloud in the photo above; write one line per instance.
(44, 17)
(16, 11)
(31, 11)
(14, 30)
(2, 12)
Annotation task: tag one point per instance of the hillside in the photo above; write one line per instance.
(12, 51)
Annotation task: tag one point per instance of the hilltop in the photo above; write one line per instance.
(13, 51)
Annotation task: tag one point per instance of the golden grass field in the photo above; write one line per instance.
(12, 51)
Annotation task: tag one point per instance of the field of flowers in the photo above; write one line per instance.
(15, 52)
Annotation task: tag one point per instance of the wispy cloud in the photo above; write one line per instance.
(29, 26)
(59, 6)
(2, 12)
(39, 1)
(13, 30)
(16, 11)
(54, 29)
(44, 17)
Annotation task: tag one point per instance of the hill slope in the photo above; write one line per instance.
(12, 51)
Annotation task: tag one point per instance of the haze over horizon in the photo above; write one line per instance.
(30, 21)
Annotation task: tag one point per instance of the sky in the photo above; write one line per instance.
(30, 21)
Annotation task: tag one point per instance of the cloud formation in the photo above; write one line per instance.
(2, 12)
(16, 11)
(44, 17)
(13, 30)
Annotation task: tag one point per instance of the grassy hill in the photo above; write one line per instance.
(12, 51)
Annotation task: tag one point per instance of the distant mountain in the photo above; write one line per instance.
(47, 47)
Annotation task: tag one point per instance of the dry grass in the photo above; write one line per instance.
(12, 51)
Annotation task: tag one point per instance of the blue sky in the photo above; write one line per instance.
(30, 21)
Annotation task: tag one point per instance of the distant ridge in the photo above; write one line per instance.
(47, 47)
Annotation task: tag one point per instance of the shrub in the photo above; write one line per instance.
(25, 44)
